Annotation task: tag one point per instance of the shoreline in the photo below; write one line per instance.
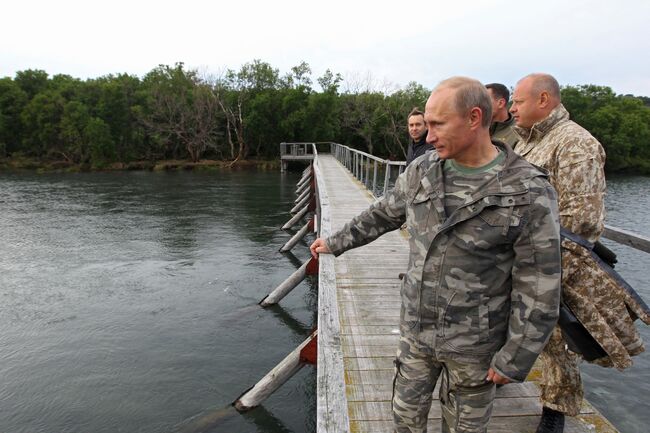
(32, 164)
(60, 166)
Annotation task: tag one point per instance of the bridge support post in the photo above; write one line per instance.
(303, 180)
(300, 189)
(297, 217)
(310, 267)
(301, 196)
(305, 199)
(295, 238)
(282, 372)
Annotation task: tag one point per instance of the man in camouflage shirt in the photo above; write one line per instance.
(576, 162)
(502, 121)
(481, 292)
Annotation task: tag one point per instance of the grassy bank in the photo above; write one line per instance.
(24, 163)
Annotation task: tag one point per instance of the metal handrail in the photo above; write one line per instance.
(358, 163)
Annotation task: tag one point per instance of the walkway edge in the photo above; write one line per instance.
(332, 412)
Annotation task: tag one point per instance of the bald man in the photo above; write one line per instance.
(481, 293)
(575, 161)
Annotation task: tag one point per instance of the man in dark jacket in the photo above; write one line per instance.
(418, 136)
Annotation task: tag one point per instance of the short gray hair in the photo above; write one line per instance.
(470, 93)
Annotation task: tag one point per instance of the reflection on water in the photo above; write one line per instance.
(618, 394)
(128, 302)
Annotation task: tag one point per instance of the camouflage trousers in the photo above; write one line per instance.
(561, 384)
(465, 396)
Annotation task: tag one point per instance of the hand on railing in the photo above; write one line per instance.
(319, 246)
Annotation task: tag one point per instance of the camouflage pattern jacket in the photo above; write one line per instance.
(487, 277)
(504, 131)
(575, 161)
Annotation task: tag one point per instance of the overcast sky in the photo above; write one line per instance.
(580, 42)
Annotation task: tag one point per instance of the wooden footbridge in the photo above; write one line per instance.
(359, 306)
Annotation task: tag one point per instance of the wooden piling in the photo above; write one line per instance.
(301, 204)
(302, 195)
(297, 217)
(298, 236)
(282, 372)
(287, 285)
(301, 188)
(303, 179)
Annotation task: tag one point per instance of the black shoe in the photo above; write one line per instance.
(552, 421)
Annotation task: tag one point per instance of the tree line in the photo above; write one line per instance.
(176, 113)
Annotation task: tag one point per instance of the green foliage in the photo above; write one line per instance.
(174, 113)
(12, 102)
(102, 148)
(32, 81)
(620, 123)
(41, 119)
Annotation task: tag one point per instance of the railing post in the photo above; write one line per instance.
(367, 172)
(358, 165)
(374, 178)
(387, 177)
(360, 168)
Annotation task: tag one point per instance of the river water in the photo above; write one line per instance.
(128, 303)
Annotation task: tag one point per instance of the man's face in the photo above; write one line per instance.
(449, 131)
(416, 127)
(497, 103)
(524, 107)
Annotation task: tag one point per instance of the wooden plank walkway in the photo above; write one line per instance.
(368, 300)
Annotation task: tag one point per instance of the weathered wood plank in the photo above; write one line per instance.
(370, 329)
(510, 424)
(332, 410)
(368, 351)
(381, 410)
(374, 363)
(383, 391)
(370, 339)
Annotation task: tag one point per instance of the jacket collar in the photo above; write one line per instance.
(541, 128)
(421, 141)
(497, 126)
(514, 176)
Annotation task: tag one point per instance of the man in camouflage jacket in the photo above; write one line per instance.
(575, 161)
(481, 293)
(502, 128)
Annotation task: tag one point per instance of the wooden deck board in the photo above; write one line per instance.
(368, 299)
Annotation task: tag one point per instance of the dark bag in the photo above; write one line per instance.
(577, 337)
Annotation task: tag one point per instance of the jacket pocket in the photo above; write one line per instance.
(418, 212)
(466, 325)
(410, 311)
